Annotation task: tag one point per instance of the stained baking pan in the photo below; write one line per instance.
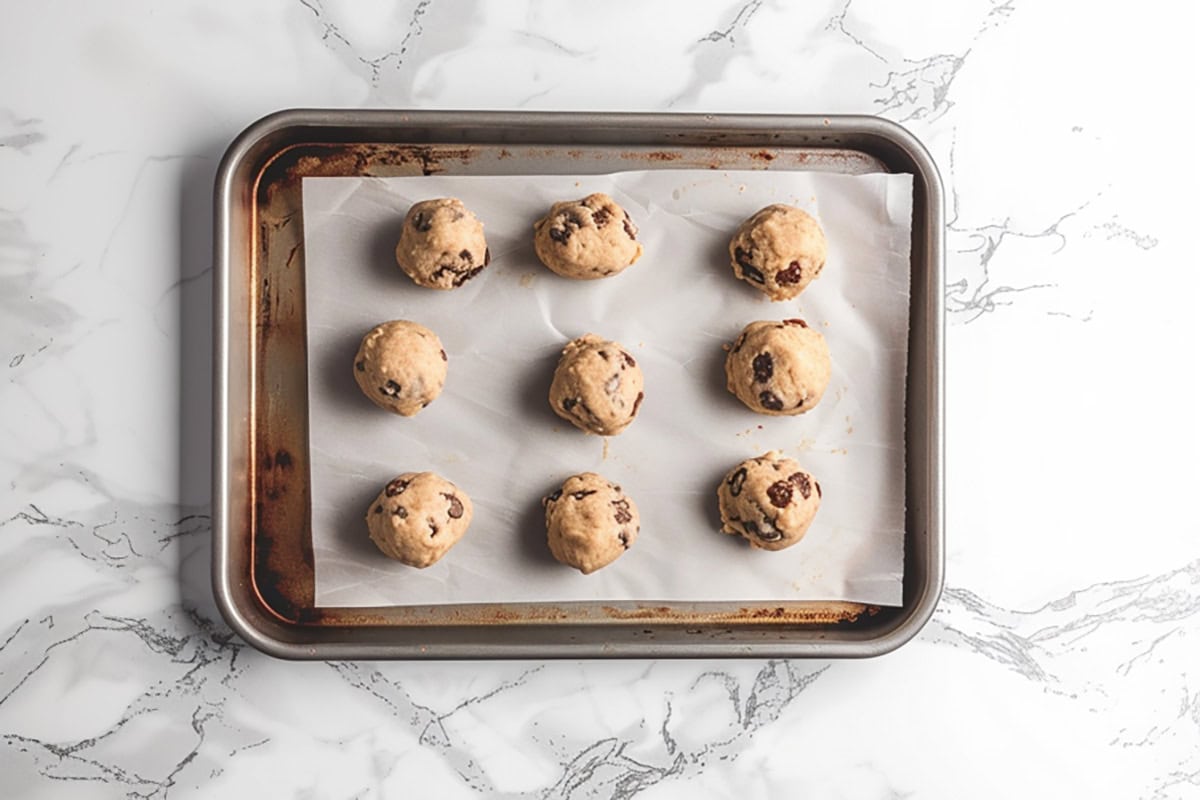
(263, 573)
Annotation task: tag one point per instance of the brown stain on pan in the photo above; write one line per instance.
(277, 472)
(491, 615)
(658, 612)
(697, 620)
(658, 156)
(283, 558)
(494, 615)
(500, 616)
(292, 164)
(814, 613)
(274, 580)
(281, 542)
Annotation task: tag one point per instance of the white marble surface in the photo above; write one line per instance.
(1064, 659)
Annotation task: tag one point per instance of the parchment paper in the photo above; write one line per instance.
(492, 431)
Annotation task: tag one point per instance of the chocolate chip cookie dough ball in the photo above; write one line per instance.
(418, 517)
(769, 500)
(586, 239)
(778, 368)
(442, 244)
(401, 366)
(590, 522)
(778, 251)
(597, 386)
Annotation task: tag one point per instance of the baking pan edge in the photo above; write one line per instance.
(274, 636)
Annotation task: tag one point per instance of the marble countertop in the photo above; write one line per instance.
(1064, 658)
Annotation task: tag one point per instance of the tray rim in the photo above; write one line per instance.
(258, 634)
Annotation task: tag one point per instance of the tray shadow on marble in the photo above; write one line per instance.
(195, 297)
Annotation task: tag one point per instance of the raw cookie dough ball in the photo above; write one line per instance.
(586, 239)
(418, 517)
(597, 386)
(590, 522)
(778, 368)
(779, 251)
(401, 366)
(769, 500)
(442, 244)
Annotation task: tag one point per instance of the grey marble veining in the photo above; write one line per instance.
(1062, 660)
(1105, 659)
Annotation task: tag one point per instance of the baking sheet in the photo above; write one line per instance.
(492, 431)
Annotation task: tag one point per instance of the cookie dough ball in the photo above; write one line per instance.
(586, 239)
(418, 517)
(778, 368)
(442, 244)
(769, 500)
(597, 386)
(778, 251)
(590, 522)
(401, 366)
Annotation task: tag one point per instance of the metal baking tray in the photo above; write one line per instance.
(263, 574)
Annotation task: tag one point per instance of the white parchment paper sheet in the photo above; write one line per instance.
(492, 431)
